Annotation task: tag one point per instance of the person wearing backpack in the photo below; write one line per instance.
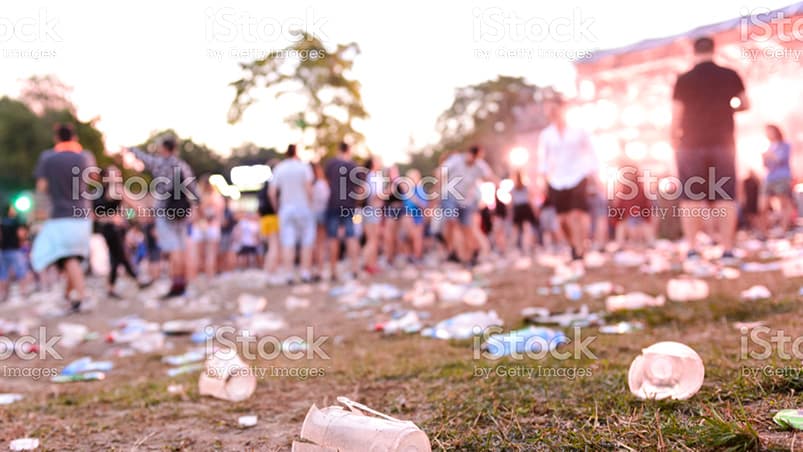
(176, 194)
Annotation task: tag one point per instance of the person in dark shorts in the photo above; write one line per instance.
(524, 220)
(567, 162)
(702, 133)
(339, 214)
(751, 189)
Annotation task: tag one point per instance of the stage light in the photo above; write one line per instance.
(519, 156)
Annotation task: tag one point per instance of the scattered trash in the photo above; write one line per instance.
(687, 289)
(632, 300)
(86, 364)
(621, 328)
(628, 258)
(600, 289)
(747, 325)
(247, 421)
(570, 318)
(594, 259)
(294, 345)
(227, 377)
(360, 429)
(532, 339)
(789, 419)
(250, 304)
(656, 263)
(573, 291)
(177, 327)
(72, 334)
(175, 389)
(192, 356)
(410, 322)
(261, 324)
(756, 293)
(476, 296)
(792, 268)
(383, 292)
(9, 398)
(463, 326)
(24, 444)
(292, 302)
(185, 369)
(760, 267)
(729, 273)
(87, 376)
(666, 370)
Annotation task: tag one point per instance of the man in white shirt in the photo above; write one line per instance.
(567, 162)
(464, 171)
(291, 191)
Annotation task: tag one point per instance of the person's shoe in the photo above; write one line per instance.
(371, 270)
(113, 295)
(175, 291)
(453, 258)
(145, 285)
(692, 255)
(729, 259)
(75, 307)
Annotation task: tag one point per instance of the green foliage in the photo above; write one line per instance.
(333, 99)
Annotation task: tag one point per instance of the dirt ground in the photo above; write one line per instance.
(435, 383)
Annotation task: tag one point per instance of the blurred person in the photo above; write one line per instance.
(372, 213)
(778, 182)
(246, 240)
(175, 195)
(226, 252)
(13, 260)
(415, 203)
(392, 214)
(567, 163)
(206, 229)
(500, 224)
(340, 210)
(269, 226)
(64, 237)
(634, 222)
(320, 198)
(291, 191)
(702, 133)
(111, 222)
(464, 171)
(598, 211)
(524, 219)
(751, 187)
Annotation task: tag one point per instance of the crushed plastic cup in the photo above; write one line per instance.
(463, 326)
(476, 296)
(227, 377)
(247, 421)
(249, 304)
(24, 444)
(756, 293)
(789, 419)
(666, 370)
(632, 300)
(687, 289)
(9, 398)
(532, 339)
(361, 429)
(408, 323)
(72, 334)
(449, 292)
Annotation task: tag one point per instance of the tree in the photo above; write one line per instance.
(42, 93)
(322, 79)
(490, 114)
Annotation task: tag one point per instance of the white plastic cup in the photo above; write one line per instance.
(666, 370)
(226, 377)
(355, 431)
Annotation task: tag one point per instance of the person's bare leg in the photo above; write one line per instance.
(727, 223)
(75, 277)
(787, 212)
(211, 258)
(334, 251)
(353, 251)
(690, 222)
(579, 228)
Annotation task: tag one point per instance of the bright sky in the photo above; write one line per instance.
(148, 65)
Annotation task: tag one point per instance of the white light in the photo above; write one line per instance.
(519, 156)
(506, 185)
(661, 151)
(250, 177)
(736, 102)
(636, 150)
(488, 193)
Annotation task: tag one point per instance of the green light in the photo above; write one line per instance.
(23, 203)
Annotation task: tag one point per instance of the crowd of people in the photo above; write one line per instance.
(343, 218)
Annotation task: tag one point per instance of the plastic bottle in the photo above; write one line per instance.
(532, 339)
(88, 376)
(86, 364)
